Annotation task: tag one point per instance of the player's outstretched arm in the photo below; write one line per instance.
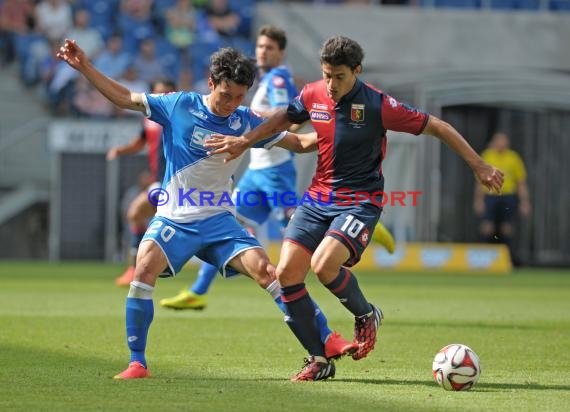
(235, 147)
(299, 143)
(489, 176)
(134, 146)
(119, 95)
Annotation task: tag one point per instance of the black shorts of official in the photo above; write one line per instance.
(501, 209)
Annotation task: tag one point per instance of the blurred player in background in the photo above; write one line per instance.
(499, 211)
(351, 119)
(185, 226)
(141, 210)
(269, 171)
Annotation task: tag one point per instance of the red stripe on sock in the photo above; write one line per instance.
(347, 276)
(294, 296)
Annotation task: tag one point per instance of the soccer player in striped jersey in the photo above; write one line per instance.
(329, 233)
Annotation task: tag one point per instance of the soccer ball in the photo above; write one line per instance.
(456, 367)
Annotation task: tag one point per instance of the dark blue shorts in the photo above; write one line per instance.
(351, 225)
(501, 209)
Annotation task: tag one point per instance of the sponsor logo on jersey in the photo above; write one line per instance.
(321, 116)
(199, 134)
(281, 96)
(357, 112)
(320, 106)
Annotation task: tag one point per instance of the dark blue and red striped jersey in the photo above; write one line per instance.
(352, 135)
(152, 134)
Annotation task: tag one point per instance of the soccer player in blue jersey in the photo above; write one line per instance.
(269, 171)
(195, 215)
(329, 233)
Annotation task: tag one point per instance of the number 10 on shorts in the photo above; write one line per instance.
(352, 226)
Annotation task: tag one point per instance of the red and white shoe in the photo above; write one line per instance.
(336, 346)
(136, 370)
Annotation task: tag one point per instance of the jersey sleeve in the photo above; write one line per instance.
(401, 117)
(278, 93)
(267, 143)
(159, 107)
(296, 111)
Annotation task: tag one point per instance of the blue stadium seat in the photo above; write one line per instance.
(463, 4)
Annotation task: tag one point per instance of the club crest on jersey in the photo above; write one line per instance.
(234, 122)
(321, 116)
(357, 113)
(364, 237)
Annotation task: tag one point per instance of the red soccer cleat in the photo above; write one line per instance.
(365, 330)
(126, 278)
(136, 370)
(336, 346)
(315, 371)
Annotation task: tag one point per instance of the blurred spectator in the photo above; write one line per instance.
(180, 24)
(499, 212)
(113, 60)
(60, 89)
(89, 38)
(88, 102)
(54, 18)
(136, 23)
(147, 62)
(15, 16)
(222, 18)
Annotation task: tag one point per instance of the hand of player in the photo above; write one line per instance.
(112, 154)
(72, 54)
(219, 143)
(490, 177)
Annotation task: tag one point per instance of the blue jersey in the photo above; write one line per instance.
(276, 89)
(196, 185)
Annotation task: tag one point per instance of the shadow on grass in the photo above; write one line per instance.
(481, 387)
(474, 325)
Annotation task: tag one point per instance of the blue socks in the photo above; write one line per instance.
(300, 310)
(206, 276)
(139, 315)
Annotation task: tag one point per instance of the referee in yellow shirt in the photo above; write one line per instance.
(499, 212)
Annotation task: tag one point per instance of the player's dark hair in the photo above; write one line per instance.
(228, 64)
(169, 83)
(341, 50)
(274, 33)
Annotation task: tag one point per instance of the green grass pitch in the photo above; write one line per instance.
(62, 339)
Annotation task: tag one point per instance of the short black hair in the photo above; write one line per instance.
(274, 33)
(341, 50)
(228, 64)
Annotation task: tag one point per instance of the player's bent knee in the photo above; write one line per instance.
(288, 275)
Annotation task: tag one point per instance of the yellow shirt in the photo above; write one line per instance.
(511, 164)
